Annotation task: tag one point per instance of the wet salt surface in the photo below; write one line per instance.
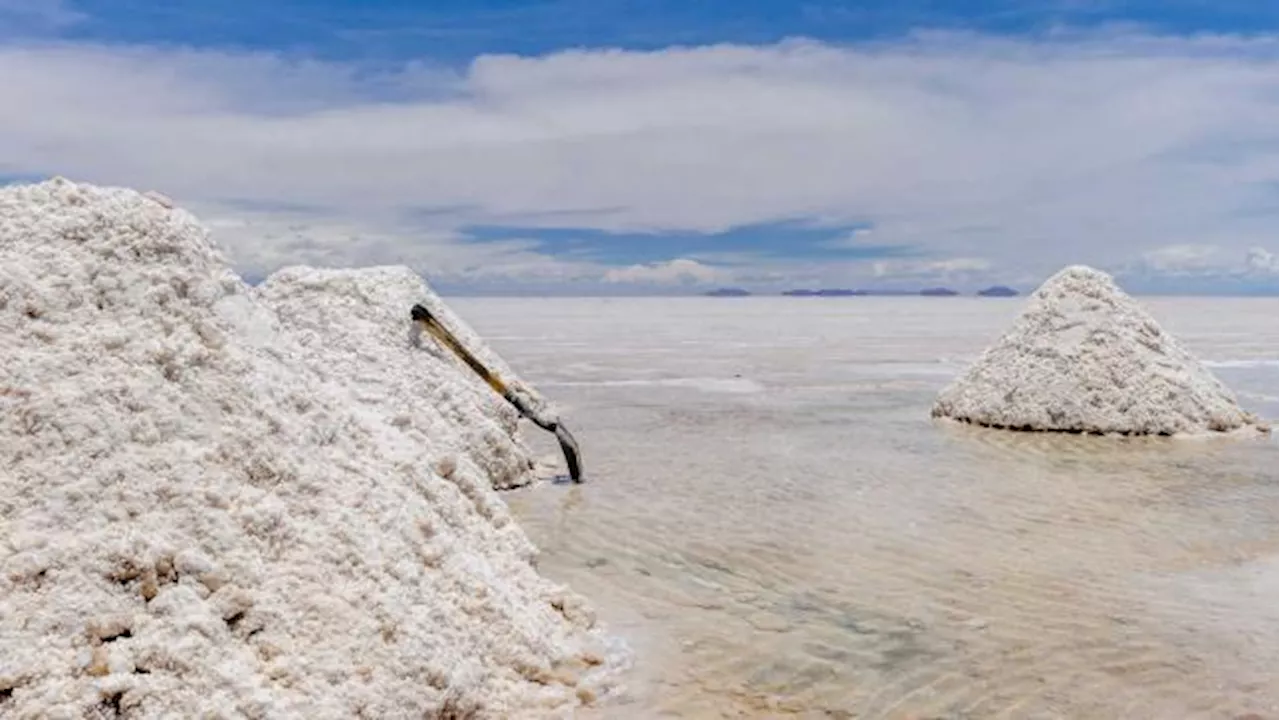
(778, 529)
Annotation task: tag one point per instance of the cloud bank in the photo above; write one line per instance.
(22, 17)
(998, 159)
(680, 271)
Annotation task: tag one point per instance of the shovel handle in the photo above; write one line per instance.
(424, 317)
(568, 445)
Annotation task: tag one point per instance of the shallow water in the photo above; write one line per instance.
(777, 528)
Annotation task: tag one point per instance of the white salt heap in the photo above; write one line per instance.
(220, 502)
(1085, 357)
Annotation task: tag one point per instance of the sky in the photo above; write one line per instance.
(585, 147)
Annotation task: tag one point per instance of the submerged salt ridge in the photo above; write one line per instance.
(251, 503)
(1085, 357)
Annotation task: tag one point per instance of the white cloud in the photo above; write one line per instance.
(262, 241)
(680, 271)
(1030, 154)
(857, 237)
(34, 16)
(1261, 261)
(1201, 262)
(950, 268)
(1179, 259)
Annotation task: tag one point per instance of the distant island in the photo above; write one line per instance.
(938, 292)
(998, 291)
(727, 292)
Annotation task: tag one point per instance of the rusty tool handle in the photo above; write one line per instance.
(423, 316)
(568, 445)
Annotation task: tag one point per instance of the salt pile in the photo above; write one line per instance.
(223, 502)
(1085, 357)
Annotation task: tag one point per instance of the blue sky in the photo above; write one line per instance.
(458, 30)
(784, 239)
(637, 147)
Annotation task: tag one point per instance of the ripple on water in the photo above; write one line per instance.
(822, 549)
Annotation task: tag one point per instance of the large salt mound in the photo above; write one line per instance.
(205, 513)
(1085, 357)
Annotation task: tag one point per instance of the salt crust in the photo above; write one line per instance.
(1085, 357)
(222, 501)
(353, 326)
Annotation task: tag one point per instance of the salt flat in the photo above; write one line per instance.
(778, 528)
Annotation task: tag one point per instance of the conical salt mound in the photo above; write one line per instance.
(1085, 357)
(219, 501)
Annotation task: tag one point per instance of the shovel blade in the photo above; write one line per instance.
(569, 447)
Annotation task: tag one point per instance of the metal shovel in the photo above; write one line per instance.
(568, 445)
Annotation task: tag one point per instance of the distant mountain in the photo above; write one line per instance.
(998, 291)
(938, 292)
(727, 292)
(800, 293)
